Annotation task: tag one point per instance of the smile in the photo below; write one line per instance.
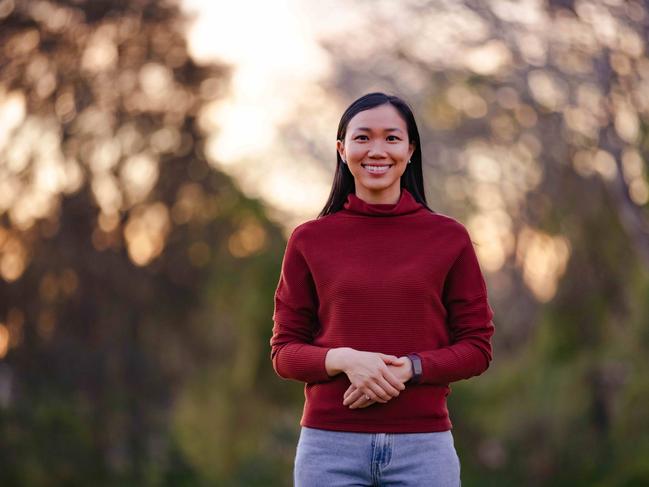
(377, 169)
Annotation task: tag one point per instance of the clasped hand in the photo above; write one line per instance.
(375, 377)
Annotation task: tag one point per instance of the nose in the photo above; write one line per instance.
(376, 150)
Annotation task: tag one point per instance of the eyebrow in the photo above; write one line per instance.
(367, 129)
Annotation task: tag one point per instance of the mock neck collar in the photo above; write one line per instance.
(405, 205)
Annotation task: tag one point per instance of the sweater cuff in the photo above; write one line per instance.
(456, 362)
(303, 362)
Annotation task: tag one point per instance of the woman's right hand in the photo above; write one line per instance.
(355, 399)
(369, 373)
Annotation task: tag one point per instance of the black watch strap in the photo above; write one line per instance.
(416, 368)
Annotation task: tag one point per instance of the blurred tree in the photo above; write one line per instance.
(534, 123)
(134, 278)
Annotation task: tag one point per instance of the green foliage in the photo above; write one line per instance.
(139, 319)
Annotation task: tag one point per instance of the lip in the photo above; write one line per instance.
(385, 168)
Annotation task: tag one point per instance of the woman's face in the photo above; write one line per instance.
(377, 150)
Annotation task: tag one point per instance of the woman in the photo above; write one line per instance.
(380, 304)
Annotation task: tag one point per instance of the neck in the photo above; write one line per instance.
(405, 205)
(386, 196)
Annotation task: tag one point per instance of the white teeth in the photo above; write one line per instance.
(377, 169)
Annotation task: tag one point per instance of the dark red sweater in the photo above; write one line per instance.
(390, 278)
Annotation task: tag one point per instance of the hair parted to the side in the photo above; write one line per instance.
(412, 179)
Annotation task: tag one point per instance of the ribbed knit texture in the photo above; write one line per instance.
(390, 278)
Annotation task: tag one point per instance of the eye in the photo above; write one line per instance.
(397, 138)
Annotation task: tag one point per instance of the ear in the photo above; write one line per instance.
(411, 150)
(340, 147)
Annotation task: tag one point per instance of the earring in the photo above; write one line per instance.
(344, 161)
(409, 161)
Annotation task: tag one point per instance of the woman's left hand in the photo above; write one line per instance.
(355, 399)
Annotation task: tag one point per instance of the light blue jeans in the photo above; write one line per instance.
(327, 458)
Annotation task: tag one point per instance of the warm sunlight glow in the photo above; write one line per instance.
(543, 259)
(547, 89)
(15, 324)
(100, 53)
(138, 175)
(146, 232)
(635, 175)
(13, 256)
(489, 58)
(4, 340)
(274, 72)
(249, 238)
(493, 235)
(12, 113)
(600, 162)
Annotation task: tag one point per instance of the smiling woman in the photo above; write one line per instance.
(376, 150)
(381, 303)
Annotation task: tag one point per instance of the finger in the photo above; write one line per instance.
(388, 359)
(377, 393)
(349, 390)
(358, 397)
(393, 380)
(388, 388)
(352, 397)
(359, 402)
(402, 361)
(366, 403)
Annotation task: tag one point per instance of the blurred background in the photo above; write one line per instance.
(155, 155)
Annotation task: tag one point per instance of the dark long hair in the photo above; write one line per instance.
(412, 179)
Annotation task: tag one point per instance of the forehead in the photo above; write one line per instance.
(378, 118)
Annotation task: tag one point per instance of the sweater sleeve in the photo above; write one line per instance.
(295, 321)
(469, 320)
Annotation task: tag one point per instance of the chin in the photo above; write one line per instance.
(377, 186)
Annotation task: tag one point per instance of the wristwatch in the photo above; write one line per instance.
(416, 368)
